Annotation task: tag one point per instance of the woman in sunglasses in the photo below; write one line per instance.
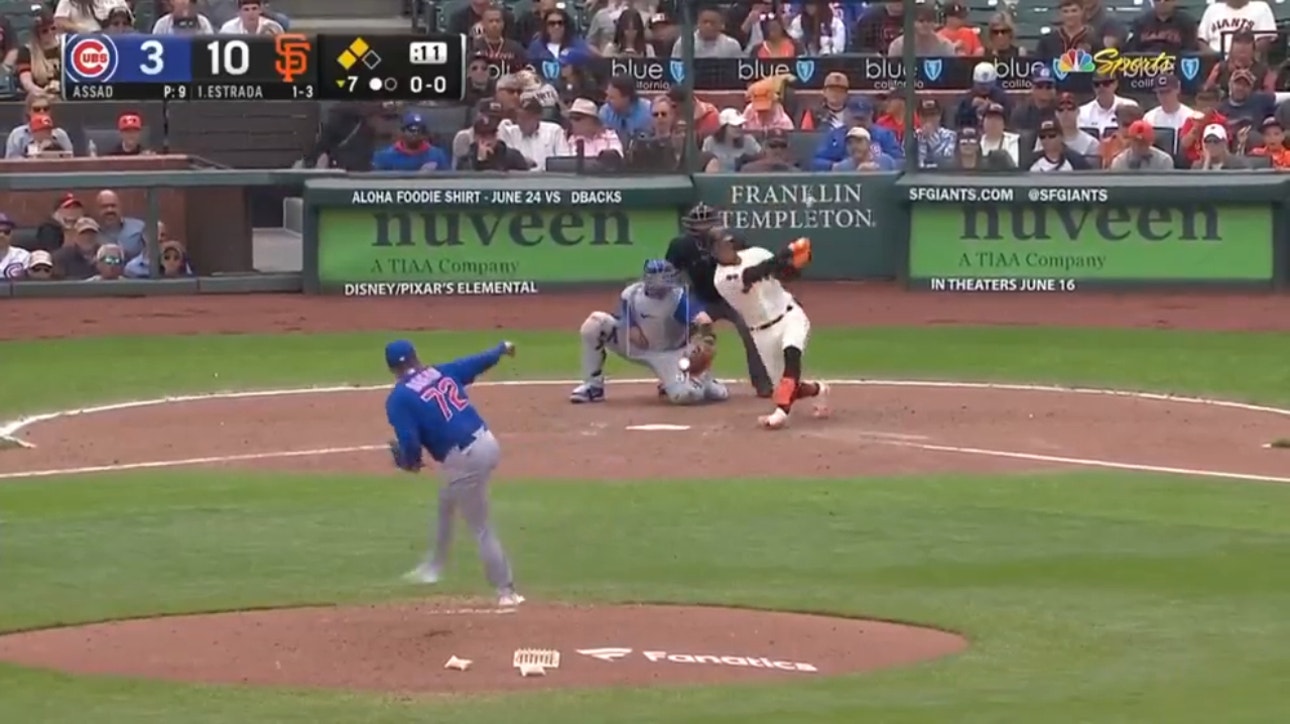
(40, 61)
(557, 39)
(1001, 42)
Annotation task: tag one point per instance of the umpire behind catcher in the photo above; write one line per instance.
(689, 253)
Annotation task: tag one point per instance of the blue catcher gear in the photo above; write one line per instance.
(660, 278)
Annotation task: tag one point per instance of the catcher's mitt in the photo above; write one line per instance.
(703, 349)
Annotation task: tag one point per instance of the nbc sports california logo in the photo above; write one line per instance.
(90, 58)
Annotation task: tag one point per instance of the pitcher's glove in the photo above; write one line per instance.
(703, 348)
(398, 458)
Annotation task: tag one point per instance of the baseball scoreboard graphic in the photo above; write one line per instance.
(286, 67)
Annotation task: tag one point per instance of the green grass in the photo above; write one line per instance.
(1088, 598)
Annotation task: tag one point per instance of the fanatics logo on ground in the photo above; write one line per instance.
(608, 653)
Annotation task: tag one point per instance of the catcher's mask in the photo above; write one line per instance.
(700, 218)
(660, 278)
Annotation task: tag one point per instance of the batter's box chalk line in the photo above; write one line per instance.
(10, 430)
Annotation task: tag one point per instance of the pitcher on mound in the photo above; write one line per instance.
(750, 281)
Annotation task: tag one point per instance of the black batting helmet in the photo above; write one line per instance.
(700, 218)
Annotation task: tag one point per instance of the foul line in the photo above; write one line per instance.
(9, 430)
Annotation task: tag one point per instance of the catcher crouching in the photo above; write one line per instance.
(658, 325)
(750, 281)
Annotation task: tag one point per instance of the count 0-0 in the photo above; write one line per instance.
(437, 84)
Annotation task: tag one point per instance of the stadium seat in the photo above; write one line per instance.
(573, 164)
(1259, 162)
(1166, 139)
(802, 145)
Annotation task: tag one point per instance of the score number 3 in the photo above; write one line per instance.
(155, 57)
(447, 395)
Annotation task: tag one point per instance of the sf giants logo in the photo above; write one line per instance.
(293, 56)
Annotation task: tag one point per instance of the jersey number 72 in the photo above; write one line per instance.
(447, 395)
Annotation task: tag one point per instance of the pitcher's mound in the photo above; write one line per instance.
(403, 648)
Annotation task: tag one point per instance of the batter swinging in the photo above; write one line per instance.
(658, 325)
(749, 280)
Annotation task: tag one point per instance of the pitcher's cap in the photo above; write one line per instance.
(398, 352)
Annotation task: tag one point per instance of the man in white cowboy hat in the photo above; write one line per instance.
(588, 137)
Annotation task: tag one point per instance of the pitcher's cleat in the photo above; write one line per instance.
(424, 573)
(583, 394)
(774, 420)
(509, 599)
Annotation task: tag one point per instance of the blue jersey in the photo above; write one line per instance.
(429, 408)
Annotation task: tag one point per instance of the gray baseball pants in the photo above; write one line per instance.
(466, 473)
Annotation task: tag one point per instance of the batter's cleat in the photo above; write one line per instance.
(775, 420)
(509, 599)
(820, 407)
(583, 394)
(424, 573)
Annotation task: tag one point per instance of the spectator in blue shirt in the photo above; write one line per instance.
(412, 151)
(936, 144)
(557, 38)
(863, 155)
(624, 111)
(834, 146)
(114, 228)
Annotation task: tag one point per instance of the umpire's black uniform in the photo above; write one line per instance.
(689, 253)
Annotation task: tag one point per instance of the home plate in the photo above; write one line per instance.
(659, 427)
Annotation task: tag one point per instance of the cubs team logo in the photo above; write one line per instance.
(90, 58)
(12, 271)
(932, 68)
(677, 67)
(805, 70)
(1189, 67)
(551, 69)
(1073, 61)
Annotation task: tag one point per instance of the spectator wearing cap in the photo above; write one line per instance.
(488, 152)
(966, 154)
(880, 24)
(588, 137)
(77, 260)
(1171, 112)
(1274, 144)
(624, 111)
(471, 20)
(1001, 43)
(466, 136)
(39, 64)
(927, 42)
(534, 138)
(412, 151)
(1100, 112)
(1243, 101)
(1073, 137)
(1242, 55)
(557, 39)
(936, 144)
(1115, 137)
(492, 43)
(183, 19)
(21, 138)
(775, 42)
(109, 264)
(862, 155)
(1041, 103)
(42, 142)
(996, 137)
(985, 93)
(174, 258)
(40, 267)
(764, 110)
(129, 128)
(818, 29)
(958, 31)
(532, 85)
(710, 40)
(251, 20)
(83, 16)
(57, 231)
(1141, 154)
(1216, 156)
(13, 259)
(663, 32)
(1190, 142)
(728, 149)
(892, 117)
(1073, 32)
(1222, 17)
(833, 147)
(1053, 153)
(115, 227)
(776, 156)
(832, 112)
(1163, 28)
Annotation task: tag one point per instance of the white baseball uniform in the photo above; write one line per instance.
(776, 319)
(13, 263)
